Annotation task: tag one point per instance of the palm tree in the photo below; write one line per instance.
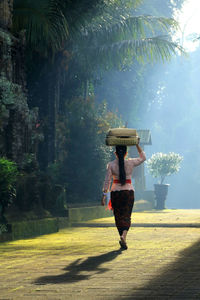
(102, 46)
(95, 34)
(121, 43)
(52, 25)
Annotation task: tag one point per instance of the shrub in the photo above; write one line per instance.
(161, 165)
(8, 177)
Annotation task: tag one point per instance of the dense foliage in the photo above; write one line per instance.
(81, 150)
(161, 165)
(8, 177)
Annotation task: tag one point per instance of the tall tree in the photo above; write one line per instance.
(129, 90)
(83, 38)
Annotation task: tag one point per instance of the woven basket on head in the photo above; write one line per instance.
(122, 136)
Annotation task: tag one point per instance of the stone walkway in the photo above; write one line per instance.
(85, 262)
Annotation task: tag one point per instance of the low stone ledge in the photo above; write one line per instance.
(32, 228)
(88, 213)
(4, 237)
(142, 205)
(63, 222)
(28, 229)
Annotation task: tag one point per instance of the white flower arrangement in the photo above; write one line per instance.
(161, 165)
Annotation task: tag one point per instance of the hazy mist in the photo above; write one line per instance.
(173, 116)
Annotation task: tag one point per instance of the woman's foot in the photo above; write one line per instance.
(122, 243)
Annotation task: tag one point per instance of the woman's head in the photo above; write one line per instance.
(121, 151)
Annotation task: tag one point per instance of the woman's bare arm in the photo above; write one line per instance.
(139, 149)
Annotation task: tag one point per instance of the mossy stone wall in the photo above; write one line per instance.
(88, 213)
(28, 229)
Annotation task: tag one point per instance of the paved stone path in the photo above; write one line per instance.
(162, 261)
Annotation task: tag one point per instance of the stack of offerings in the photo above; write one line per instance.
(122, 137)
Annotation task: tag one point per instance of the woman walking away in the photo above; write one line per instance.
(122, 191)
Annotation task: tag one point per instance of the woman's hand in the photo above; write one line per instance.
(103, 200)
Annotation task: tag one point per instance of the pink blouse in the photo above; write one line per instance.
(113, 172)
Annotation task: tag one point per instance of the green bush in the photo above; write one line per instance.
(29, 163)
(161, 165)
(8, 177)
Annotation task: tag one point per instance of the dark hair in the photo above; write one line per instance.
(121, 151)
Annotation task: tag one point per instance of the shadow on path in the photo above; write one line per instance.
(159, 225)
(178, 280)
(91, 266)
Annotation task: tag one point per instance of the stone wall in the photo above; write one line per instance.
(18, 132)
(6, 7)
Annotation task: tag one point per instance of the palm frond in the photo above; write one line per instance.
(130, 3)
(127, 28)
(132, 38)
(119, 54)
(44, 22)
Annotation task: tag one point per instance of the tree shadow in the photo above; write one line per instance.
(178, 280)
(91, 266)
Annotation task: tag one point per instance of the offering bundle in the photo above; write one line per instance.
(122, 136)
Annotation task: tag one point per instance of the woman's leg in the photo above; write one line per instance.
(124, 234)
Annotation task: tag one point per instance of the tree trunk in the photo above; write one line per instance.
(51, 117)
(6, 7)
(49, 93)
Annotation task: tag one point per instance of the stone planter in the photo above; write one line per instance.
(161, 191)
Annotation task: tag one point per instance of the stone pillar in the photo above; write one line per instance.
(5, 38)
(6, 7)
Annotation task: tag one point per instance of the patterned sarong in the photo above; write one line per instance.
(122, 204)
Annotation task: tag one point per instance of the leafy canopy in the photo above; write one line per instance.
(101, 32)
